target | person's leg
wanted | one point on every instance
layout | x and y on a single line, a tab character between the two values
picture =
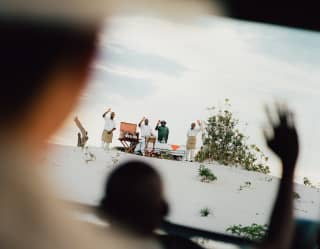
187	155
192	155
143	145
107	138
107	146
137	148
110	138
85	149
103	143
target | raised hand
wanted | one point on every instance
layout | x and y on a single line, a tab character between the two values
109	110
284	141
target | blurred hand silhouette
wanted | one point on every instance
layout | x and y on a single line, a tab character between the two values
284	141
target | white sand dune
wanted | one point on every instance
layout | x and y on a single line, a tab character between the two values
83	182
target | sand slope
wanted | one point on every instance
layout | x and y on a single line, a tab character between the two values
83	182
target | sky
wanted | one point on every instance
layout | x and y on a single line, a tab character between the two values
165	69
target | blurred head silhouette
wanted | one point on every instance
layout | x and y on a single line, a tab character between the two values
46	67
45	63
134	198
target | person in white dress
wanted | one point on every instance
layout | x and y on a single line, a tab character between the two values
192	134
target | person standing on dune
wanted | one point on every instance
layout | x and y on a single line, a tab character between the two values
145	133
109	128
192	140
163	131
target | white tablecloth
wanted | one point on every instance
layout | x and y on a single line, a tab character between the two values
166	148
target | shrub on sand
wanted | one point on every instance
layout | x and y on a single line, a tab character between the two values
206	174
254	232
204	212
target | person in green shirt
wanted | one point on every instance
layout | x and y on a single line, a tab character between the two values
163	131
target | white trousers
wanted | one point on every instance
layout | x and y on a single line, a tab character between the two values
143	145
190	155
105	146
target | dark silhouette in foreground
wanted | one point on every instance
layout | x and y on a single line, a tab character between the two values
134	202
45	64
284	142
134	197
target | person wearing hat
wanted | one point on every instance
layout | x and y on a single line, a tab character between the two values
163	131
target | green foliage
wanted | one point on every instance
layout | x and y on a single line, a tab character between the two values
246	185
268	179
296	196
307	182
224	143
206	174
204	212
166	156
201	241
254	232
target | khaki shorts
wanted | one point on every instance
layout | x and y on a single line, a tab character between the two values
191	142
106	137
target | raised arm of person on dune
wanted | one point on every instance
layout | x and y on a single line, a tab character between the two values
284	143
106	112
157	125
143	119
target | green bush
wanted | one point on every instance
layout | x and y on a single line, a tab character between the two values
166	156
246	185
296	196
224	143
307	182
254	232
204	212
206	174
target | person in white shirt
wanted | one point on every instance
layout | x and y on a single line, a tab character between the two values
145	132
192	140
109	128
